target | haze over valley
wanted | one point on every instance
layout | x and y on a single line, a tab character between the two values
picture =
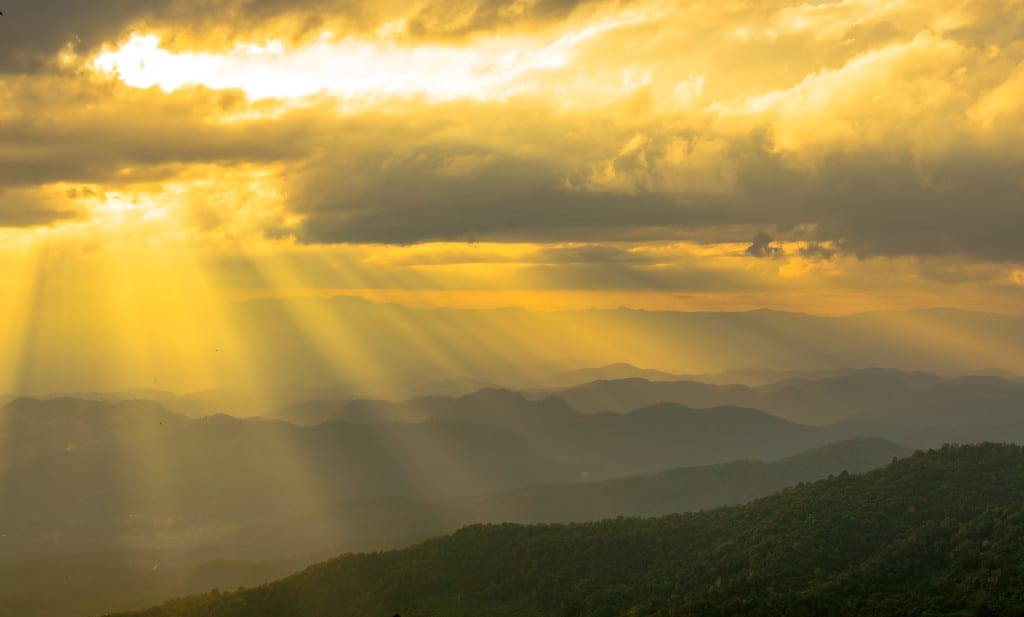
546	308
99	489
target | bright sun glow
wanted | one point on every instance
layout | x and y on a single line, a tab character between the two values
497	68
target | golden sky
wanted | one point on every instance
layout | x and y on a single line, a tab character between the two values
821	156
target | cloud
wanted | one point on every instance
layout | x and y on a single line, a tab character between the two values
34	33
762	247
817	252
462	17
63	129
519	172
466	172
872	129
591	254
509	199
28	208
888	203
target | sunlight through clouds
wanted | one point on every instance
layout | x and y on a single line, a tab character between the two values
358	68
285	278
826	156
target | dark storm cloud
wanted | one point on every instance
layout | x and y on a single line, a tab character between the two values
463	192
403	184
408	182
887	203
882	202
499	210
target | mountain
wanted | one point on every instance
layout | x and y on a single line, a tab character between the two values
491	406
622	395
815	401
32	428
992	371
888	395
938	533
618	370
178	481
494	406
393	519
677	490
648	439
193	480
966	400
117	580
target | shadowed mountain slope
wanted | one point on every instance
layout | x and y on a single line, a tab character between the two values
184	481
936	533
677	490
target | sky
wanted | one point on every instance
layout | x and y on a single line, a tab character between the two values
161	159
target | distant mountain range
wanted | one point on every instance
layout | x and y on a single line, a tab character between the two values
134	469
572	385
874	394
884	397
128	485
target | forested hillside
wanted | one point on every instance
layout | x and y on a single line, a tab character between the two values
938	533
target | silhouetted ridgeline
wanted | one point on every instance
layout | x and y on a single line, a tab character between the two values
938	533
883	395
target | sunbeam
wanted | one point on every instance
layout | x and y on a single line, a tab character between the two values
283	280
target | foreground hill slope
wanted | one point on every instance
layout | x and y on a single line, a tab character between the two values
938	533
51	579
